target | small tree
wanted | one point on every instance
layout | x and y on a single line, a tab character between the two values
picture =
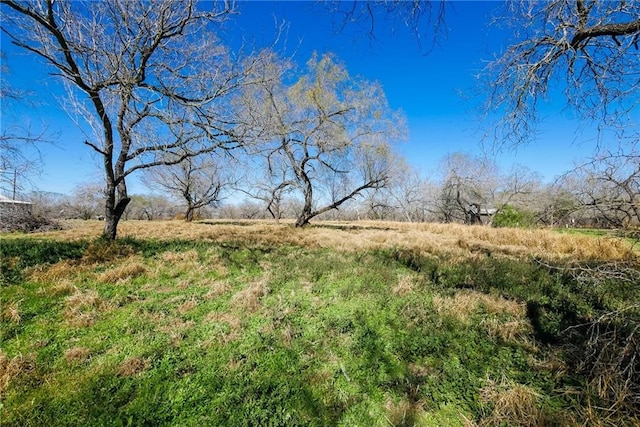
85	201
608	185
333	132
197	181
510	216
150	207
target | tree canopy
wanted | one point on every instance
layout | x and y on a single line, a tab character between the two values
586	49
147	77
328	135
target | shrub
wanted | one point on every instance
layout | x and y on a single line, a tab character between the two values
512	217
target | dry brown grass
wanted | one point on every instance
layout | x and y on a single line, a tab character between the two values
216	288
179	263
455	239
77	354
16	367
508	331
64	287
191	266
232	322
248	299
133	366
175	328
129	269
187	306
56	272
404	285
467	302
11	312
513	404
82	308
403	412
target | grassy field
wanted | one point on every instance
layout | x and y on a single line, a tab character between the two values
353	324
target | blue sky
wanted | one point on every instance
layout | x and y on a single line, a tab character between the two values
428	87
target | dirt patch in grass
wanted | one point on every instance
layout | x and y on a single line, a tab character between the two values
133	366
77	354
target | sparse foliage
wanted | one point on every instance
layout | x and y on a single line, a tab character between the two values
474	187
85	201
150	207
409	196
425	20
333	132
587	49
463	189
607	188
197	181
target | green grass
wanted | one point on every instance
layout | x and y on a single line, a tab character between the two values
235	335
594	232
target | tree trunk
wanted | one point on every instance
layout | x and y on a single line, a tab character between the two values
188	216
306	215
303	220
112	217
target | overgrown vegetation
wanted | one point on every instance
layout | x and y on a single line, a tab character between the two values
237	327
26	222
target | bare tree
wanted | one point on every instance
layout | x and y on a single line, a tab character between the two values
407	197
150	207
517	187
412	194
465	179
270	185
149	77
586	48
423	19
17	137
197	181
85	201
333	132
607	188
555	204
474	189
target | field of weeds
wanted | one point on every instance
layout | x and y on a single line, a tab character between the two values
367	323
